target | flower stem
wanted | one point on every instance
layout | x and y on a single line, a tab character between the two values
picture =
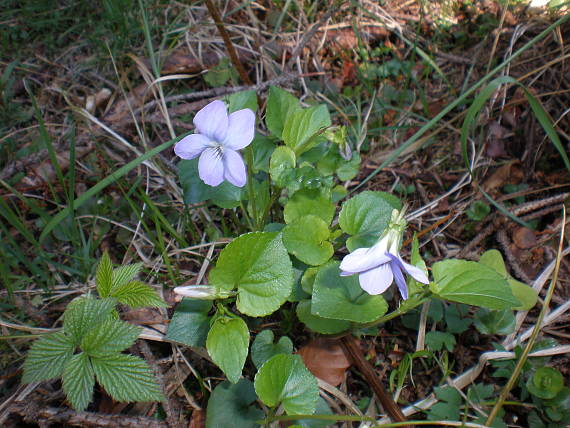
250	190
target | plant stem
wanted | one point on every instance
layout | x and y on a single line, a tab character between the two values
538	325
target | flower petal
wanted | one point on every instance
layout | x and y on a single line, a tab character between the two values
376	281
191	146
212	121
399	278
211	167
363	259
234	168
416	273
241	128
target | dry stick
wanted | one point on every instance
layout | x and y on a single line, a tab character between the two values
518	368
353	351
32	413
228	42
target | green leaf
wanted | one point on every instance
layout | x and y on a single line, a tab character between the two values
263	347
85	313
472	283
240	100
263	148
227	344
526	295
457	318
137	294
109	336
126	378
301	126
104	275
47	357
124	274
280	105
322	409
78	381
448	407
233	405
340	297
285	380
495	322
195	190
306	238
365	217
478	211
190	323
319	324
309	202
437	340
257	264
546	383
281	163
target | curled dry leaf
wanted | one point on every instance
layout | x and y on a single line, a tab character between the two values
325	359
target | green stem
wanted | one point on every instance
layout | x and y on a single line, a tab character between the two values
537	327
250	189
400	311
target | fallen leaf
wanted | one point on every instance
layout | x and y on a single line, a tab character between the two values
508	173
325	359
523	237
198	419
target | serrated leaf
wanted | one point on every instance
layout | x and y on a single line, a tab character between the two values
340	297
472	283
190	323
495	322
285	380
85	313
302	126
104	275
263	347
78	381
306	238
137	294
126	378
47	357
457	318
309	202
257	264
317	323
109	336
448	407
124	274
233	405
280	104
227	344
365	217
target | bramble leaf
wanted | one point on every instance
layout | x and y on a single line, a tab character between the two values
126	378
124	274
47	357
104	275
78	381
109	336
85	313
137	294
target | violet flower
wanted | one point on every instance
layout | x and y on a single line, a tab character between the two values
378	266
217	141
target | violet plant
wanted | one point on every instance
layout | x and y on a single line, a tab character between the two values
296	252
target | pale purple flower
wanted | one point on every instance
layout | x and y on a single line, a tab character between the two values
378	266
218	138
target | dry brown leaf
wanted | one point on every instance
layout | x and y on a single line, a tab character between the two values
198	419
325	359
508	173
524	238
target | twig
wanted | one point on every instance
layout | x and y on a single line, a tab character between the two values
353	352
32	413
228	42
